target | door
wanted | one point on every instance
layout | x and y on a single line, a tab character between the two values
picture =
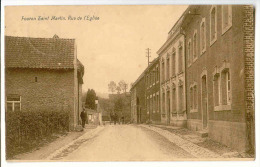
204	102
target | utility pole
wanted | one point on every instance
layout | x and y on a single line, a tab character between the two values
148	55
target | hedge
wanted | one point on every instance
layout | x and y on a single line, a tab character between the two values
25	130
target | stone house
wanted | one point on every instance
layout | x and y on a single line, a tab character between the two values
43	74
152	83
172	80
138	104
219	48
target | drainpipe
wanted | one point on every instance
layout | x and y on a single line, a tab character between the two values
185	67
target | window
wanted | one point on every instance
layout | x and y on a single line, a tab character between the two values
180	58
228	87
163	103
151	104
189	52
168	68
13	103
36	79
213	24
173	63
181	97
226	17
147	80
157	73
195	97
154	104
147	105
191	98
216	89
174	99
225	87
202	36
195	45
163	72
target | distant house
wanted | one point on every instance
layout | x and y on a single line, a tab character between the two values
43	74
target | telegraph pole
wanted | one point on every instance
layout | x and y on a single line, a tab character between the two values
148	55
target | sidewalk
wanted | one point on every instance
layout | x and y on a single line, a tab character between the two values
43	152
201	147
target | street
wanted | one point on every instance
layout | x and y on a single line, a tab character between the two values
123	143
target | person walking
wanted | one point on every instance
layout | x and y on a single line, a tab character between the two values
83	117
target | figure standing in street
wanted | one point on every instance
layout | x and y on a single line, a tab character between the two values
83	117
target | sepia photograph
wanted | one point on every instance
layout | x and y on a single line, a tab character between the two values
99	83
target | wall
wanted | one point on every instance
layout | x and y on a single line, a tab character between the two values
227	51
53	90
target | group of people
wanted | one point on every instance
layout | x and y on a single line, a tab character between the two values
116	119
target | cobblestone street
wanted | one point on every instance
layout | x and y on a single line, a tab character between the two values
136	143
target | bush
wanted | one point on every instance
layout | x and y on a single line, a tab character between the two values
25	130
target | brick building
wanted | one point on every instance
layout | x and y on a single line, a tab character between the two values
152	83
138	101
43	74
219	48
172	80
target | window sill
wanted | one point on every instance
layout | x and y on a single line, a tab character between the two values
224	30
193	110
202	52
222	108
213	41
194	60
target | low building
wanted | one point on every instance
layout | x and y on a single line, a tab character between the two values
43	74
138	105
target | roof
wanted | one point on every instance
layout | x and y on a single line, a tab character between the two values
143	73
50	53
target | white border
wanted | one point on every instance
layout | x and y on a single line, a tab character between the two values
4	3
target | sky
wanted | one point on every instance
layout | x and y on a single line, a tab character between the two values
112	47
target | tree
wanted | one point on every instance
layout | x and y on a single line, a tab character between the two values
90	99
123	85
112	86
118	89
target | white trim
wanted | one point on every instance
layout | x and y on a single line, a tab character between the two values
203	50
222	108
225	29
13	102
212	41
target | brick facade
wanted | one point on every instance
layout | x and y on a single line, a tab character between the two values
152	82
248	44
220	71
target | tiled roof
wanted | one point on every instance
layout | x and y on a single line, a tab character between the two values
50	53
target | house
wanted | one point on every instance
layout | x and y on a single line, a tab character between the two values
219	48
172	80
139	112
152	83
43	74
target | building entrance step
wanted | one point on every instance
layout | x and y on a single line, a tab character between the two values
202	133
